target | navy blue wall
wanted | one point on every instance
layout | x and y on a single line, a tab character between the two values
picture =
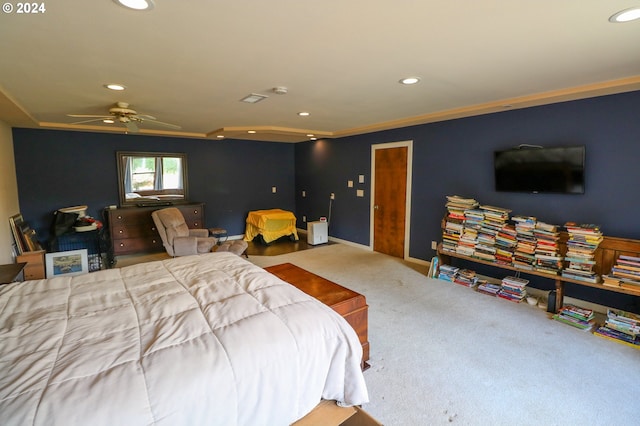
60	168
456	157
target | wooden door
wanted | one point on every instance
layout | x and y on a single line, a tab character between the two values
390	200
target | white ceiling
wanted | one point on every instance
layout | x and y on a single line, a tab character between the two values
190	62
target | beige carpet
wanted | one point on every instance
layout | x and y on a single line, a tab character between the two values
442	353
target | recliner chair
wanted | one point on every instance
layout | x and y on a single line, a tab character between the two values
179	240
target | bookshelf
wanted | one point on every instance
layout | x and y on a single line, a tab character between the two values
605	256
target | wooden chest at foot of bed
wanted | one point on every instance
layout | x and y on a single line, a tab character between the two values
350	305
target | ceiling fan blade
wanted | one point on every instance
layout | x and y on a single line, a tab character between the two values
161	123
131	126
146	117
88	116
90	121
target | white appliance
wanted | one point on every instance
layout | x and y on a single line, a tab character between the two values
317	233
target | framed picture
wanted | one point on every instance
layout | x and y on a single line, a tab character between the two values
17	222
73	262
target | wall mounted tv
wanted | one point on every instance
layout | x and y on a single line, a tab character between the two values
536	169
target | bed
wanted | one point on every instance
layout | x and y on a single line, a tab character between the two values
206	339
270	225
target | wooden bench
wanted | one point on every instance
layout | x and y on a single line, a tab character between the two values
350	305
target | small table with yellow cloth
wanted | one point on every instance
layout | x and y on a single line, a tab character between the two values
271	225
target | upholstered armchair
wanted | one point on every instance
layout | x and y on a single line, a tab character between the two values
176	236
179	240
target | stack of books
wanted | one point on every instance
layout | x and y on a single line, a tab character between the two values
468	240
622	327
447	272
488	288
506	243
581	318
523	255
547	251
495	218
580	257
624	274
466	277
513	289
454	222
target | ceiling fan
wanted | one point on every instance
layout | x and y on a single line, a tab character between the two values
121	112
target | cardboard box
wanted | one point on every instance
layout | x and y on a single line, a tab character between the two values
328	413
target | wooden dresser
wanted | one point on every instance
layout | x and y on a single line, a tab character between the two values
132	229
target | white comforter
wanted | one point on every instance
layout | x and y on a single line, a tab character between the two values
197	340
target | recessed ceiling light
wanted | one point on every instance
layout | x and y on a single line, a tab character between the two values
313	139
253	98
304	114
310	135
136	4
108	121
115	86
220	136
409	80
251	131
625	15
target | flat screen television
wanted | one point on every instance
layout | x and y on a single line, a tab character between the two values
540	169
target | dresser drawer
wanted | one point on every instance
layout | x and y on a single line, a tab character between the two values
136	245
193	216
120	231
126	217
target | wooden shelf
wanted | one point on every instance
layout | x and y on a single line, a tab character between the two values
606	255
537	273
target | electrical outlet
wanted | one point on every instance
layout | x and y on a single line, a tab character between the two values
434	245
333	196
304	194
349	184
273	189
304	218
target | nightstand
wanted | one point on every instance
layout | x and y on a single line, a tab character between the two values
12	272
35	264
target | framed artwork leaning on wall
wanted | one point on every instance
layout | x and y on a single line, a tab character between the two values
73	262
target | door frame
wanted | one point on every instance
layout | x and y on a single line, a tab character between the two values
407	219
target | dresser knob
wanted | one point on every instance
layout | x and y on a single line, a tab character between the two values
154	241
119	217
121	244
120	231
195	224
195	212
153	228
